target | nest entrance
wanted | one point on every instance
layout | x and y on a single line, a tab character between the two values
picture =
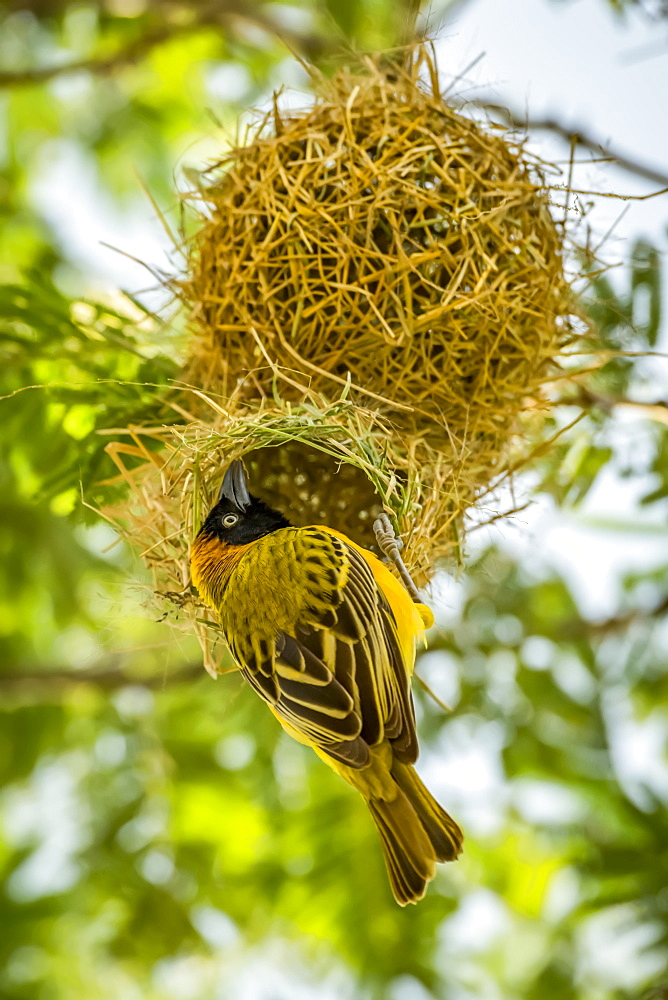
311	487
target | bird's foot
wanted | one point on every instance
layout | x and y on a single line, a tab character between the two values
390	546
387	541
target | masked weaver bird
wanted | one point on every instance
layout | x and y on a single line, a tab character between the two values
326	635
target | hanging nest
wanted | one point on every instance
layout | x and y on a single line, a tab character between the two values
377	296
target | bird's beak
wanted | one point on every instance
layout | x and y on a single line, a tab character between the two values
234	486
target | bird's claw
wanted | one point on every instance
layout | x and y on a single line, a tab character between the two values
388	543
390	546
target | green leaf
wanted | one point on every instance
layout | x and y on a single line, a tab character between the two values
346	14
646	278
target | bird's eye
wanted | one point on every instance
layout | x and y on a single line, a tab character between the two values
230	519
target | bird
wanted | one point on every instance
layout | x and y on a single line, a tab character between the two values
325	634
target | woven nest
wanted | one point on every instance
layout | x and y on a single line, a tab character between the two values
377	295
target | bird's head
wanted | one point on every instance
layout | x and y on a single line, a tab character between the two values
239	518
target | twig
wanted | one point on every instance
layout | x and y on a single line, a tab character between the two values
422	682
504	515
576	137
657	410
43	683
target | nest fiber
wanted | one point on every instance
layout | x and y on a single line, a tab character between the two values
377	283
382	237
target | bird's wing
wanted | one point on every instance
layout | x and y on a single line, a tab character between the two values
334	672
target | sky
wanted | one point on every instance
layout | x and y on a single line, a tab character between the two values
576	62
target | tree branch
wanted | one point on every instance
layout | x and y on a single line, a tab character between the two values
218	14
657	410
575	137
102	64
618	623
44	683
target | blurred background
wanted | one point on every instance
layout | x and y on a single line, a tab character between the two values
159	837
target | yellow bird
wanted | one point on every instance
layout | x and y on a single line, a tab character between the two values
326	635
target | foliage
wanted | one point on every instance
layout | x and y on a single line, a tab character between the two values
160	838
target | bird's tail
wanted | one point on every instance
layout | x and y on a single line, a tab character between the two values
415	833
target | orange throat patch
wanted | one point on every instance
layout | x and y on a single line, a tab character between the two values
211	563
